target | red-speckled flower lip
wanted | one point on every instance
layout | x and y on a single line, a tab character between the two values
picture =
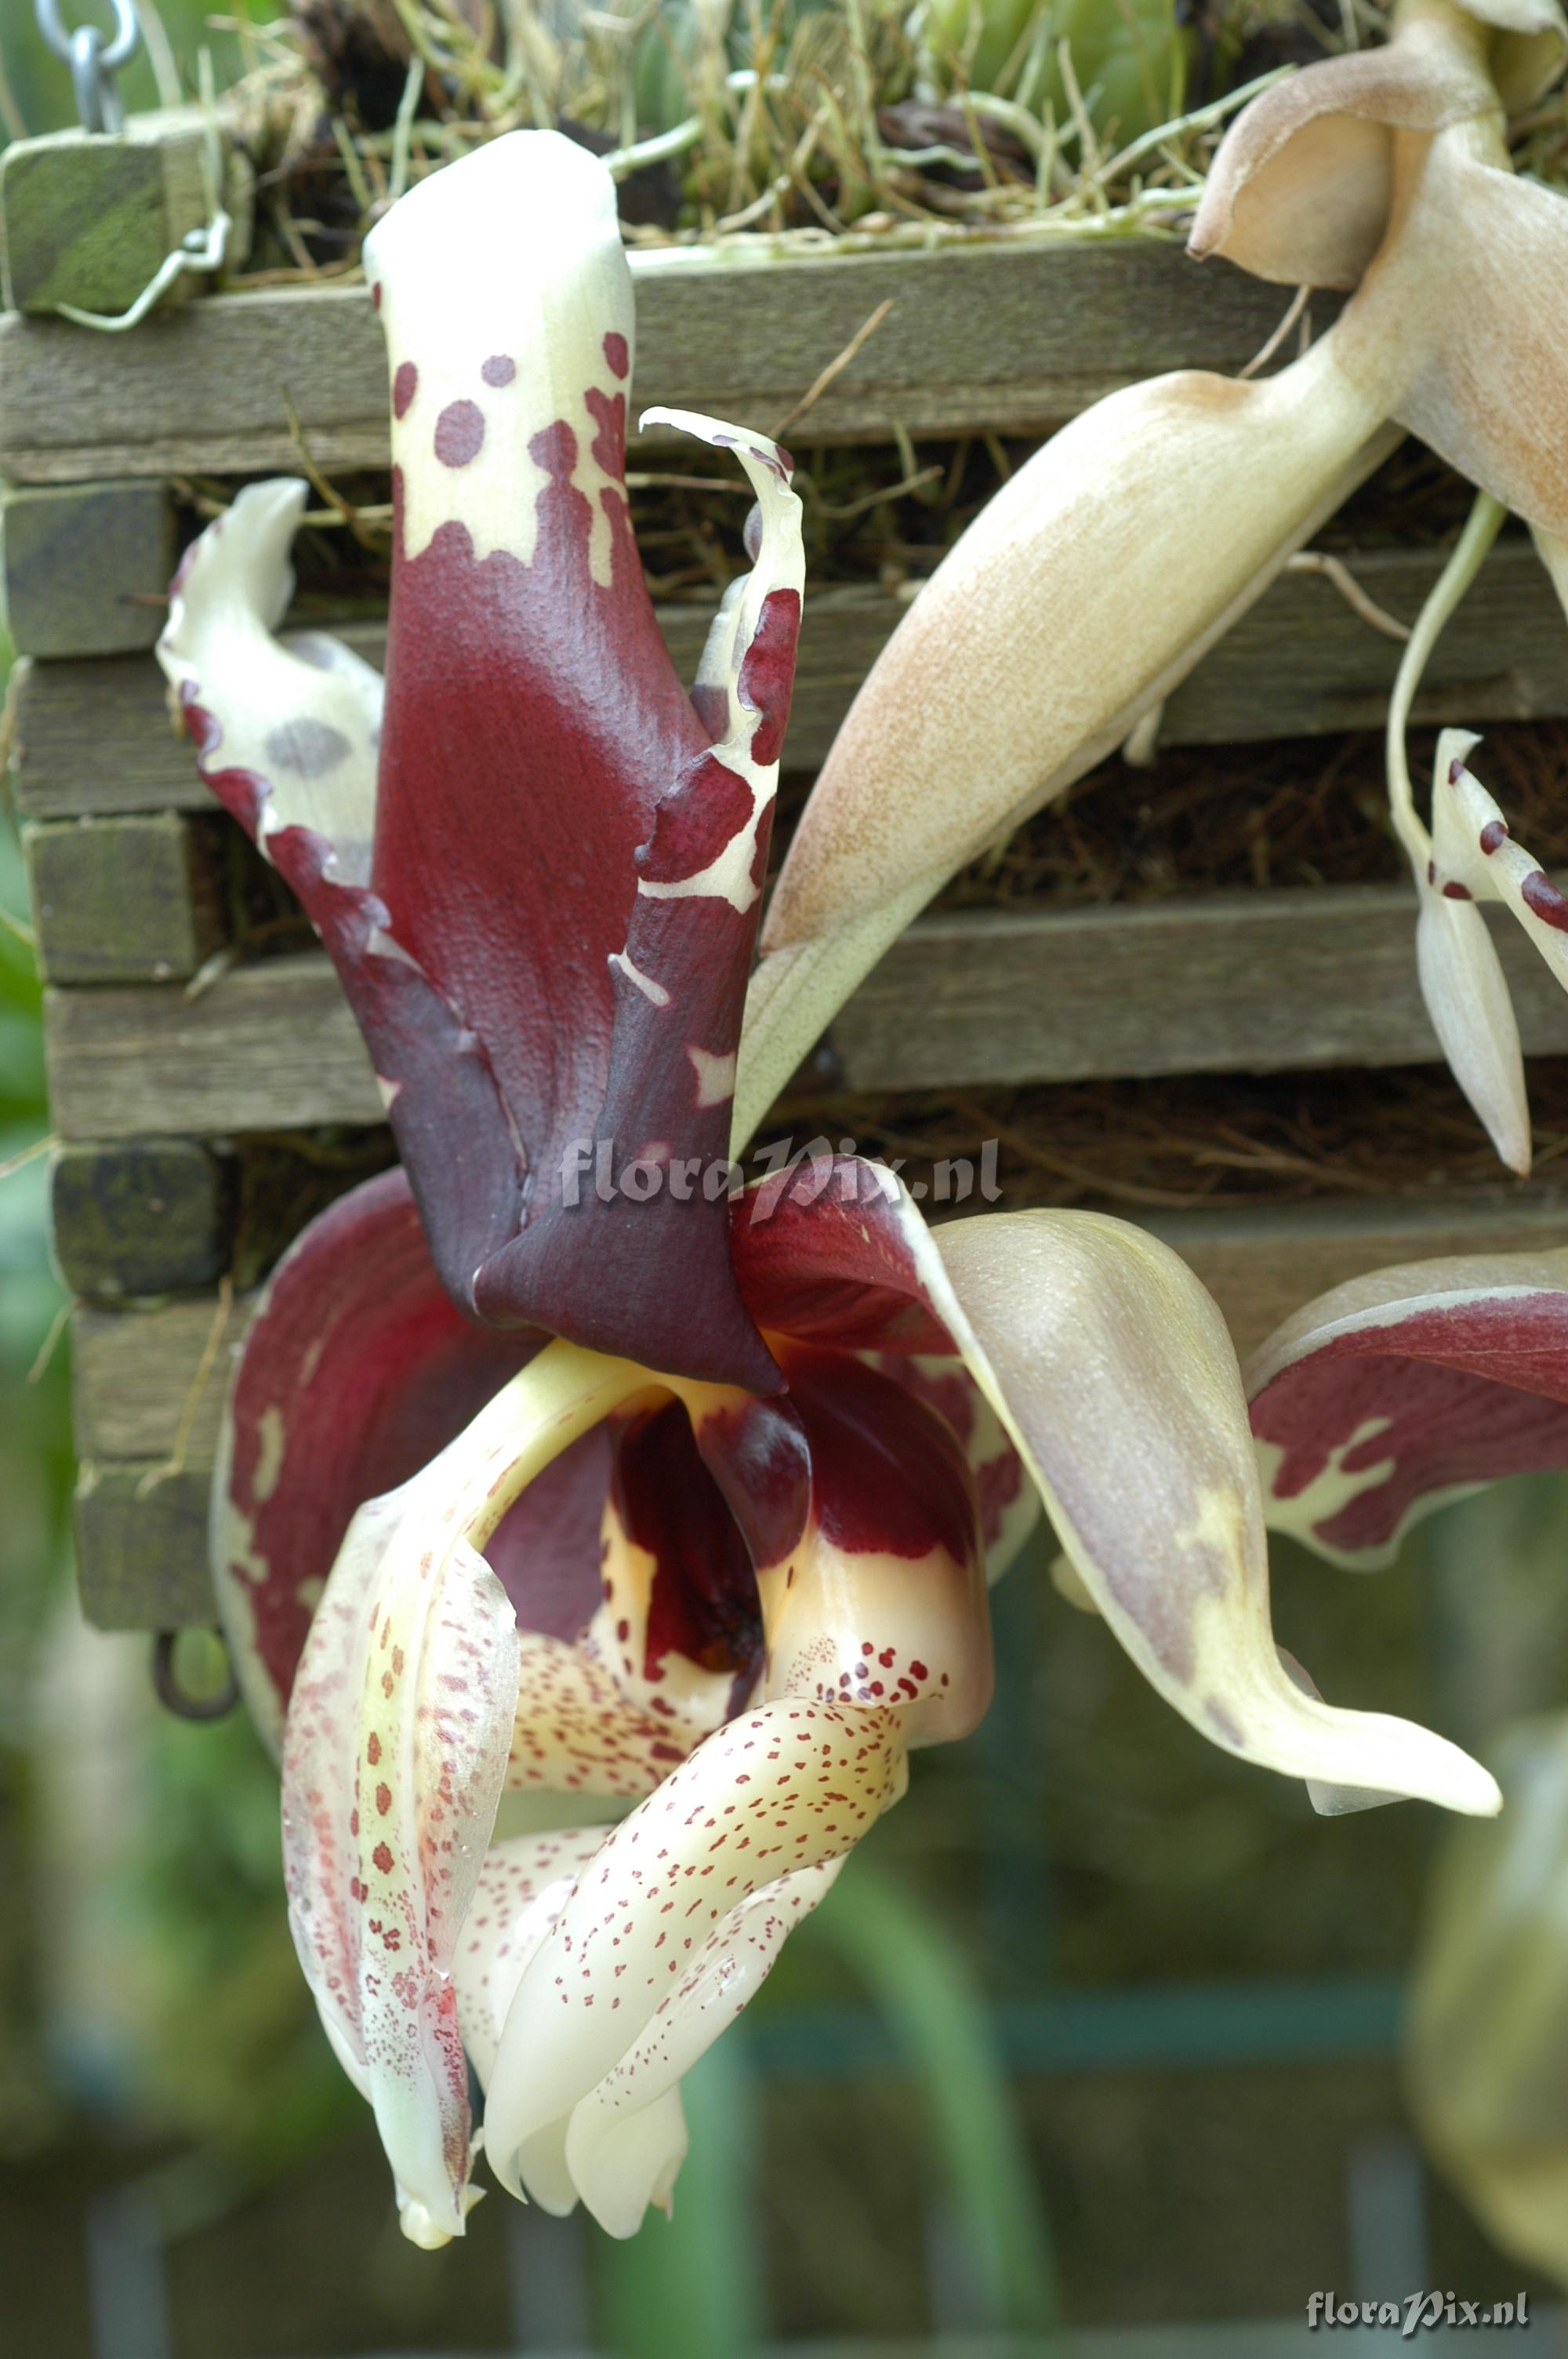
536	861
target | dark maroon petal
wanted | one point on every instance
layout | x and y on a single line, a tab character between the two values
825	1252
1395	1391
543	773
545	1548
355	1371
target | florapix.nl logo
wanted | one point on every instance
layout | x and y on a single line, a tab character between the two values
597	1169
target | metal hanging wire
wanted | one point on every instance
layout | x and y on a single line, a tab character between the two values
94	61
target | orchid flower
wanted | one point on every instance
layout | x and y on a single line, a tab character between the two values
537	862
739	1611
717	1551
1108	565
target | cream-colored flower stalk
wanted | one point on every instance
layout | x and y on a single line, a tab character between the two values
1106	568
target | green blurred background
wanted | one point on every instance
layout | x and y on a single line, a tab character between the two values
1103	2030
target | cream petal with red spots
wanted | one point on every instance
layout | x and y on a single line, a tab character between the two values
395	1752
578	1732
523	1886
394	1755
626	2139
787	1787
490	351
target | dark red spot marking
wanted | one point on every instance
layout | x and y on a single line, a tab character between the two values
616	353
404	386
704	811
459	433
375	295
767	674
1542	899
1454	891
609	414
381	1856
384	1799
1492	835
373	1749
554	448
499	369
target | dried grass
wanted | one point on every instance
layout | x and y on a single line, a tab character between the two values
1195	1142
850	125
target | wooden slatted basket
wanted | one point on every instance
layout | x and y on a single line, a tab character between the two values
197	1132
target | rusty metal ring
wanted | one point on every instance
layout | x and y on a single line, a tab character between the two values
176	1699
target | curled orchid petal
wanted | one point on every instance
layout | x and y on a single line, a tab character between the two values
356	1372
1014	671
393	1766
1303	186
1112	1371
396	1750
623	1989
523	1886
1472	1012
1115	1371
1401	1390
625	2139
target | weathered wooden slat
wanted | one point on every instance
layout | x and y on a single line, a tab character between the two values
1012	336
86	567
136	899
98	737
1223	983
135	1373
152	1216
95	736
89	219
141	1552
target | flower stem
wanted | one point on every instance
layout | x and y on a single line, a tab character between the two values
1481	529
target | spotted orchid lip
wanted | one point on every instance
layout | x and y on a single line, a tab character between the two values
535	857
738	1613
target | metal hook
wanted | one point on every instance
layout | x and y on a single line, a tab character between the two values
93	61
179	1699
